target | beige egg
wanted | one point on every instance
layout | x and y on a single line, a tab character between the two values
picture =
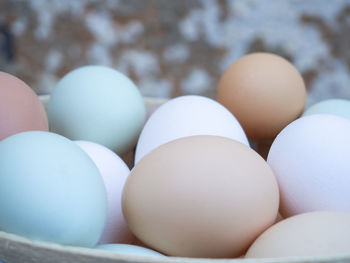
264	92
319	233
200	196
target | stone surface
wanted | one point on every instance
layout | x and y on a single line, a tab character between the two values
171	48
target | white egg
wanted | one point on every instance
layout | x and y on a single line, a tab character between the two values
310	158
187	116
114	174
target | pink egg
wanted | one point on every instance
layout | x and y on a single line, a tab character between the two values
114	173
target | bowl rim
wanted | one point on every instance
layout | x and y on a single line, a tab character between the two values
18	242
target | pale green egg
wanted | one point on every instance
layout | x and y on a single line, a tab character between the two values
340	107
50	190
97	104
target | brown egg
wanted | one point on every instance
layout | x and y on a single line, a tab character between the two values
200	196
20	108
311	234
265	92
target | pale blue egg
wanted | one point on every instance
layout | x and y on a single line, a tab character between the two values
132	250
340	107
97	104
50	190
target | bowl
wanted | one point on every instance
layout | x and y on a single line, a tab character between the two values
17	249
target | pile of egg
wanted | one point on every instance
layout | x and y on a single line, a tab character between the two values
197	188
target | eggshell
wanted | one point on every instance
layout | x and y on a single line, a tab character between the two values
339	107
20	108
187	116
50	190
200	196
97	104
264	91
310	158
313	234
138	242
114	173
131	250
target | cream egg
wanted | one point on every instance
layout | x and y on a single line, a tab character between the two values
313	234
200	196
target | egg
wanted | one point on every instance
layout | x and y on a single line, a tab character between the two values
20	108
131	250
310	159
97	104
339	107
315	234
187	116
50	190
114	173
264	91
138	242
200	196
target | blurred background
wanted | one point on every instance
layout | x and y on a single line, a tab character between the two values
172	48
